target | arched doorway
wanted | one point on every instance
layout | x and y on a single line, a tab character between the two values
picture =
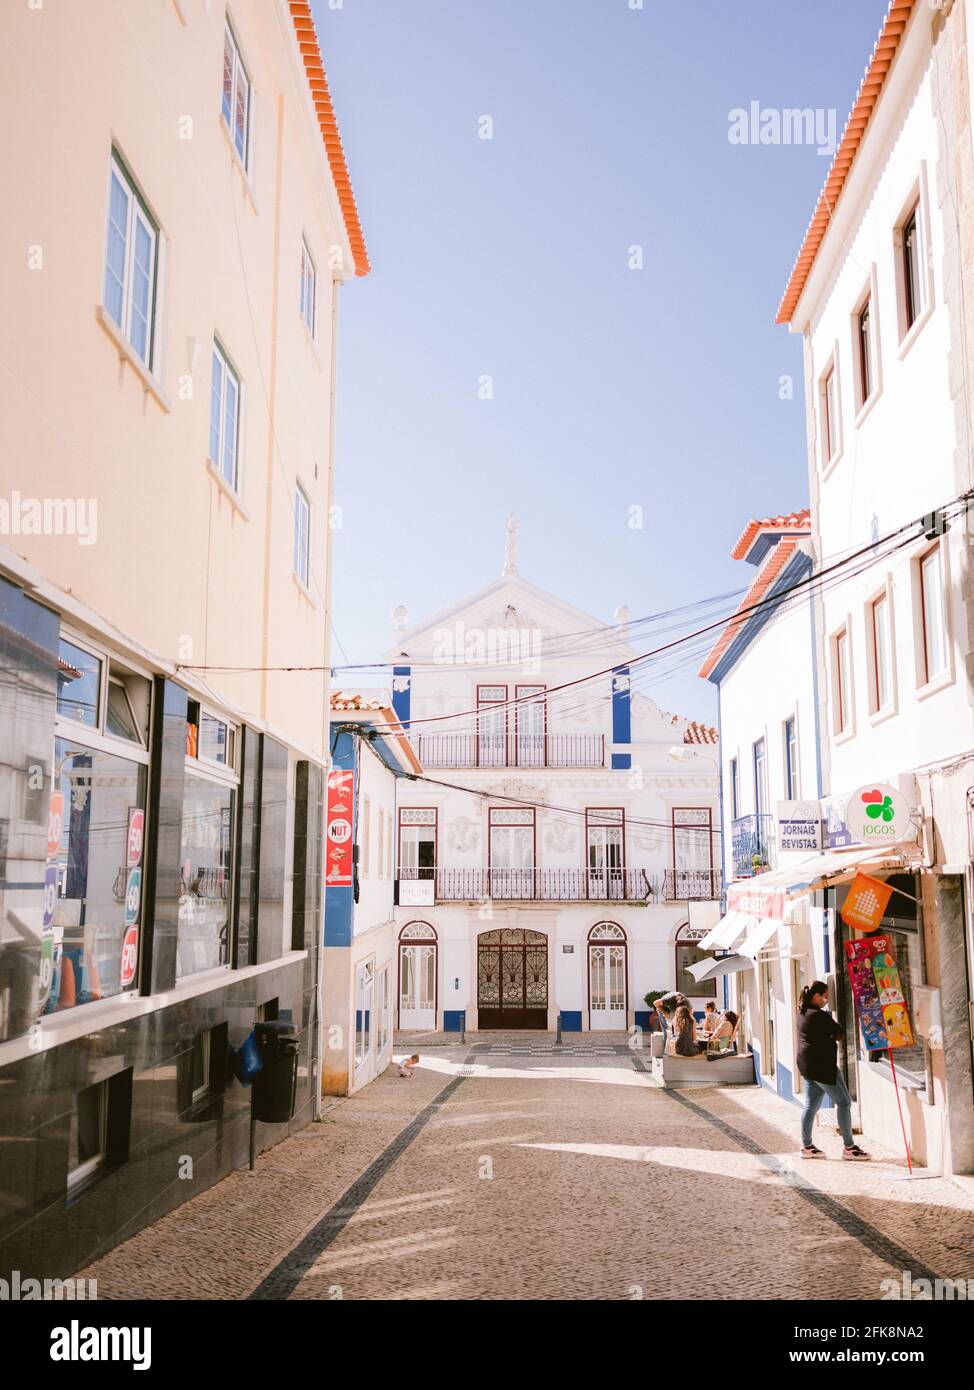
417	976
512	979
608	989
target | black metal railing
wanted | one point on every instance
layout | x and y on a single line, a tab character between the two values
752	844
542	885
691	885
511	750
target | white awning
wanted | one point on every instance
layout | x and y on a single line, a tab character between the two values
765	896
712	968
758	937
764	932
728	930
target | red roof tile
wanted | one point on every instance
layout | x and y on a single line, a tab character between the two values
798	522
894	25
304	29
699	733
767	574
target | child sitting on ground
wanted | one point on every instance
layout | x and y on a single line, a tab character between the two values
406	1067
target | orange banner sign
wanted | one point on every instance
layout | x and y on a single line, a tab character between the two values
865	903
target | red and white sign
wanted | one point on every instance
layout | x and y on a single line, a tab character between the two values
55	823
755	903
130	955
136	836
340	830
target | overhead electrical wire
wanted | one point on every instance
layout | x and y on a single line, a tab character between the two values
817	580
485	795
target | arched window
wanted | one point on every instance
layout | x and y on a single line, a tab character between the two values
688	953
417	931
607	931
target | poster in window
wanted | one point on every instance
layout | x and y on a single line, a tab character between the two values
878	993
135	838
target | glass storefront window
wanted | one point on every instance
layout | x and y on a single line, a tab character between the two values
215	740
79	683
363	1011
91	876
902	926
206	862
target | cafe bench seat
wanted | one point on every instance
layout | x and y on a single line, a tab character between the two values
732	1069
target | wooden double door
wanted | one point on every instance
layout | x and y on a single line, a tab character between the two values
512	979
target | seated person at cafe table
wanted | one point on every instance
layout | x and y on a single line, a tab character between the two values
720	1039
684	1040
711	1018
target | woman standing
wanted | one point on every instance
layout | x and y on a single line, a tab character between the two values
818	1037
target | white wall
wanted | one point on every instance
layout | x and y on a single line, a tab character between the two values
896	460
772	681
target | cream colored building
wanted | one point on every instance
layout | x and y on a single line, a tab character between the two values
180	223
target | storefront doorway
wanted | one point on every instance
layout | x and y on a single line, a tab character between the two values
607	984
512	979
417	976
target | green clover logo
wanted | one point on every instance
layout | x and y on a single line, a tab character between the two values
883	808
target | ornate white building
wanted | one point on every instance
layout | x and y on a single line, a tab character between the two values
561	853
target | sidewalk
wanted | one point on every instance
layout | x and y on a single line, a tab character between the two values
499	1176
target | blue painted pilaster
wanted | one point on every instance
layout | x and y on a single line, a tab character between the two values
621	715
401	676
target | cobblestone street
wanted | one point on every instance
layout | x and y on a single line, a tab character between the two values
502	1174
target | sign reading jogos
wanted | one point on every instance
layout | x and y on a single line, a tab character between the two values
878	814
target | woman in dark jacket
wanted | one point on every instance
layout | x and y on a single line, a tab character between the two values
818	1037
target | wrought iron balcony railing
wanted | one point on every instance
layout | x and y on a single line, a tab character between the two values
691	885
511	750
752	844
540	885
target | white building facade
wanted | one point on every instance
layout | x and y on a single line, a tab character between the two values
560	859
763	666
370	754
878	294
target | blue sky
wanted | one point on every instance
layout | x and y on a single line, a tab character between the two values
508	257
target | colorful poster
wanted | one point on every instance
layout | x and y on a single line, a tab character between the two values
134	838
340	835
878	993
133	893
130	956
865	903
55	823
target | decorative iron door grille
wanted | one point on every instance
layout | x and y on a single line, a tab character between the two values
512	979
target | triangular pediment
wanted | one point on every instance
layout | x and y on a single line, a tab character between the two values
514	604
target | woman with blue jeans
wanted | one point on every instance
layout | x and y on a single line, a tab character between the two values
817	1061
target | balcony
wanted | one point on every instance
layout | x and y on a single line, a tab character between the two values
511	750
557	885
752	844
691	885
